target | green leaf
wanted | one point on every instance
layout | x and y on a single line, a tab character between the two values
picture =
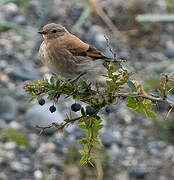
51	96
82	126
132	86
58	83
83	112
88	123
52	80
31	99
84	159
83	141
151	114
97	144
132	103
82	152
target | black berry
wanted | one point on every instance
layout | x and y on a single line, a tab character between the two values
52	108
90	111
41	101
75	107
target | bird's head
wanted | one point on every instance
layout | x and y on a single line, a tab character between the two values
53	31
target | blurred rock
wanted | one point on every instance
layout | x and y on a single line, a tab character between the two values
19	19
38	174
3	124
10	145
95	36
16	166
51	160
169	53
108	139
138	173
7	105
41	116
8	117
3	176
15	125
19	75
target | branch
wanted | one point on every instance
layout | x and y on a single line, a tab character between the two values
58	126
125	95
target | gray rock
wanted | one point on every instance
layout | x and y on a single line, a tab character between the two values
19	75
108	139
16	166
19	19
3	124
41	116
51	160
7	105
8	117
138	173
10	145
169	53
95	36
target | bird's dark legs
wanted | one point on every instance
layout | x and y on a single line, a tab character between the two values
77	78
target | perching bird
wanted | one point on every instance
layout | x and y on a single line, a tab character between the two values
68	56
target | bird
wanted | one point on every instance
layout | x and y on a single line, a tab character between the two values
66	55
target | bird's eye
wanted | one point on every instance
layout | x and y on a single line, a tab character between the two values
54	31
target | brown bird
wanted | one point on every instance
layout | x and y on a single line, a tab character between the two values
68	56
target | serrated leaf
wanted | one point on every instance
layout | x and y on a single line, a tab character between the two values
132	86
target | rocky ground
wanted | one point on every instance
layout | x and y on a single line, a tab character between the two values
132	144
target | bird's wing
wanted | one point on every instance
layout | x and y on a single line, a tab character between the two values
79	48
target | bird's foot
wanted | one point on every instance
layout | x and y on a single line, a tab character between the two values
77	78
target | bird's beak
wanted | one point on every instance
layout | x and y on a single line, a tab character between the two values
41	32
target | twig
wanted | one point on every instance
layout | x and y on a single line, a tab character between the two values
105	18
169	111
116	60
70	121
58	126
125	95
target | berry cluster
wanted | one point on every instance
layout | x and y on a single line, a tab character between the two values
52	108
77	107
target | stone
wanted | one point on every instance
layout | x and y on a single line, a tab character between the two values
8	117
10	145
51	160
24	76
41	116
38	174
169	53
108	139
138	173
3	124
7	105
15	125
16	166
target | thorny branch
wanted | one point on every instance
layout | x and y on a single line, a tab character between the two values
118	95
